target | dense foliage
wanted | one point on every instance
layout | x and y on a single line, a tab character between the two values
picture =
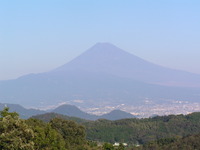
14	132
157	133
191	142
33	134
48	116
142	131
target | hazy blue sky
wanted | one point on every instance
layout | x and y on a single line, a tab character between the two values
39	35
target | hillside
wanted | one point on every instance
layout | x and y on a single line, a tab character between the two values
70	110
116	115
135	130
142	131
23	112
190	142
49	116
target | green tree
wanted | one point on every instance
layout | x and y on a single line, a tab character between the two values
45	136
108	146
72	133
15	134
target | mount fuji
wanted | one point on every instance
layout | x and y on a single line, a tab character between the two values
102	74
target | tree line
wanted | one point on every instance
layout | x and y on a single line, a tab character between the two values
157	133
35	134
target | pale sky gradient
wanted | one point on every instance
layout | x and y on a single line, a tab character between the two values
40	35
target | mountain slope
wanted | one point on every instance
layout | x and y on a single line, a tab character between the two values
166	130
73	111
91	88
102	74
116	115
107	58
23	112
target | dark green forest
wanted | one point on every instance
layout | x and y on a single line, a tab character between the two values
137	131
191	142
58	132
141	131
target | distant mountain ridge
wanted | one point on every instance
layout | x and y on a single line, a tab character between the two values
65	111
23	112
104	73
73	111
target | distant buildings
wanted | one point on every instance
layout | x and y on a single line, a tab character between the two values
116	144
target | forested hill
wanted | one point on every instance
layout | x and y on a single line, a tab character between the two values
141	131
49	116
158	133
191	142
